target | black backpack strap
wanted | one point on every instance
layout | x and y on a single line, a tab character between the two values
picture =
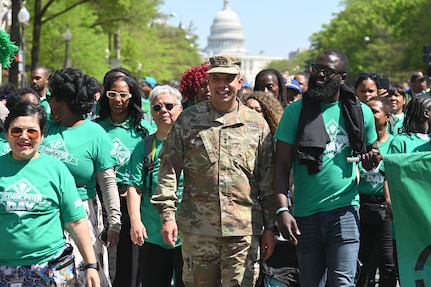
148	161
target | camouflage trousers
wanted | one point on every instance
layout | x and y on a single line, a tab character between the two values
220	261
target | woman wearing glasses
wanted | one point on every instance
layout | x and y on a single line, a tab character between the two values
38	200
88	152
122	118
157	260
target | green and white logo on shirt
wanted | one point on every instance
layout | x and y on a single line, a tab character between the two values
121	150
22	196
339	139
58	149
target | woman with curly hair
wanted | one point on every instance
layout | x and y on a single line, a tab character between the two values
271	81
266	105
88	152
271	110
194	85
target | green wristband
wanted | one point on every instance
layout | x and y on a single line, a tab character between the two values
281	209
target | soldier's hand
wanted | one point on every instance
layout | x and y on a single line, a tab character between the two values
170	232
288	227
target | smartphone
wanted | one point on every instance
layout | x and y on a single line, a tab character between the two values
103	237
384	83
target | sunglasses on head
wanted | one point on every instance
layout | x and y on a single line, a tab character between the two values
366	76
32	134
327	72
113	95
158	107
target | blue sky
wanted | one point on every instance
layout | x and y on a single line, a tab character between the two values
276	27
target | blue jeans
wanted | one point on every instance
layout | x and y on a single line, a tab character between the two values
328	247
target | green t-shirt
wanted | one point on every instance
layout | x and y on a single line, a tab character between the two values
85	149
334	186
146	108
395	124
4	145
124	138
44	103
371	182
37	197
407	143
138	176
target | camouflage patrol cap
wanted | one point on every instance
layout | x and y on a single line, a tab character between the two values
226	64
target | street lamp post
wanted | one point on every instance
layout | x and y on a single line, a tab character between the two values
23	18
107	56
67	36
139	70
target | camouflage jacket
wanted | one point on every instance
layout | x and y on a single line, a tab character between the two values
228	172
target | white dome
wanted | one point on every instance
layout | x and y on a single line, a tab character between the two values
226	33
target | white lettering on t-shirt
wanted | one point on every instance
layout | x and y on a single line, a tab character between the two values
58	149
21	196
374	177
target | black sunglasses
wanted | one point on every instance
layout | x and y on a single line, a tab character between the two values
158	107
327	72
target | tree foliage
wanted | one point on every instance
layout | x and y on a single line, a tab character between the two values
385	37
145	38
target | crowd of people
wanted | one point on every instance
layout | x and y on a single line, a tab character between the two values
131	183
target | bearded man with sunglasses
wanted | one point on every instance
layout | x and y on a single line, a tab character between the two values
225	151
315	137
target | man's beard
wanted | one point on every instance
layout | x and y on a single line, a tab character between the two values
37	88
327	91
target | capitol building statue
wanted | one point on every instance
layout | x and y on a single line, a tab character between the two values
226	37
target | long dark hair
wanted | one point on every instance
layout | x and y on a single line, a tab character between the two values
282	92
134	109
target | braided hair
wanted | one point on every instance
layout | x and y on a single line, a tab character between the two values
77	89
415	114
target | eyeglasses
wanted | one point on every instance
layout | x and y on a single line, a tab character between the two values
113	95
32	134
327	72
366	76
158	107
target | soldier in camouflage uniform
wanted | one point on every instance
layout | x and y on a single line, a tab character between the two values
226	153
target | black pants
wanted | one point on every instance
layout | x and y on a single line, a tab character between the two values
125	265
376	244
158	265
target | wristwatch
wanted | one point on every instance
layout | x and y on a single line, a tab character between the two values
91	265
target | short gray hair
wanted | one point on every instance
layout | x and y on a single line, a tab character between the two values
165	89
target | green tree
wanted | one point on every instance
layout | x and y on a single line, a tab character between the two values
377	36
144	37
